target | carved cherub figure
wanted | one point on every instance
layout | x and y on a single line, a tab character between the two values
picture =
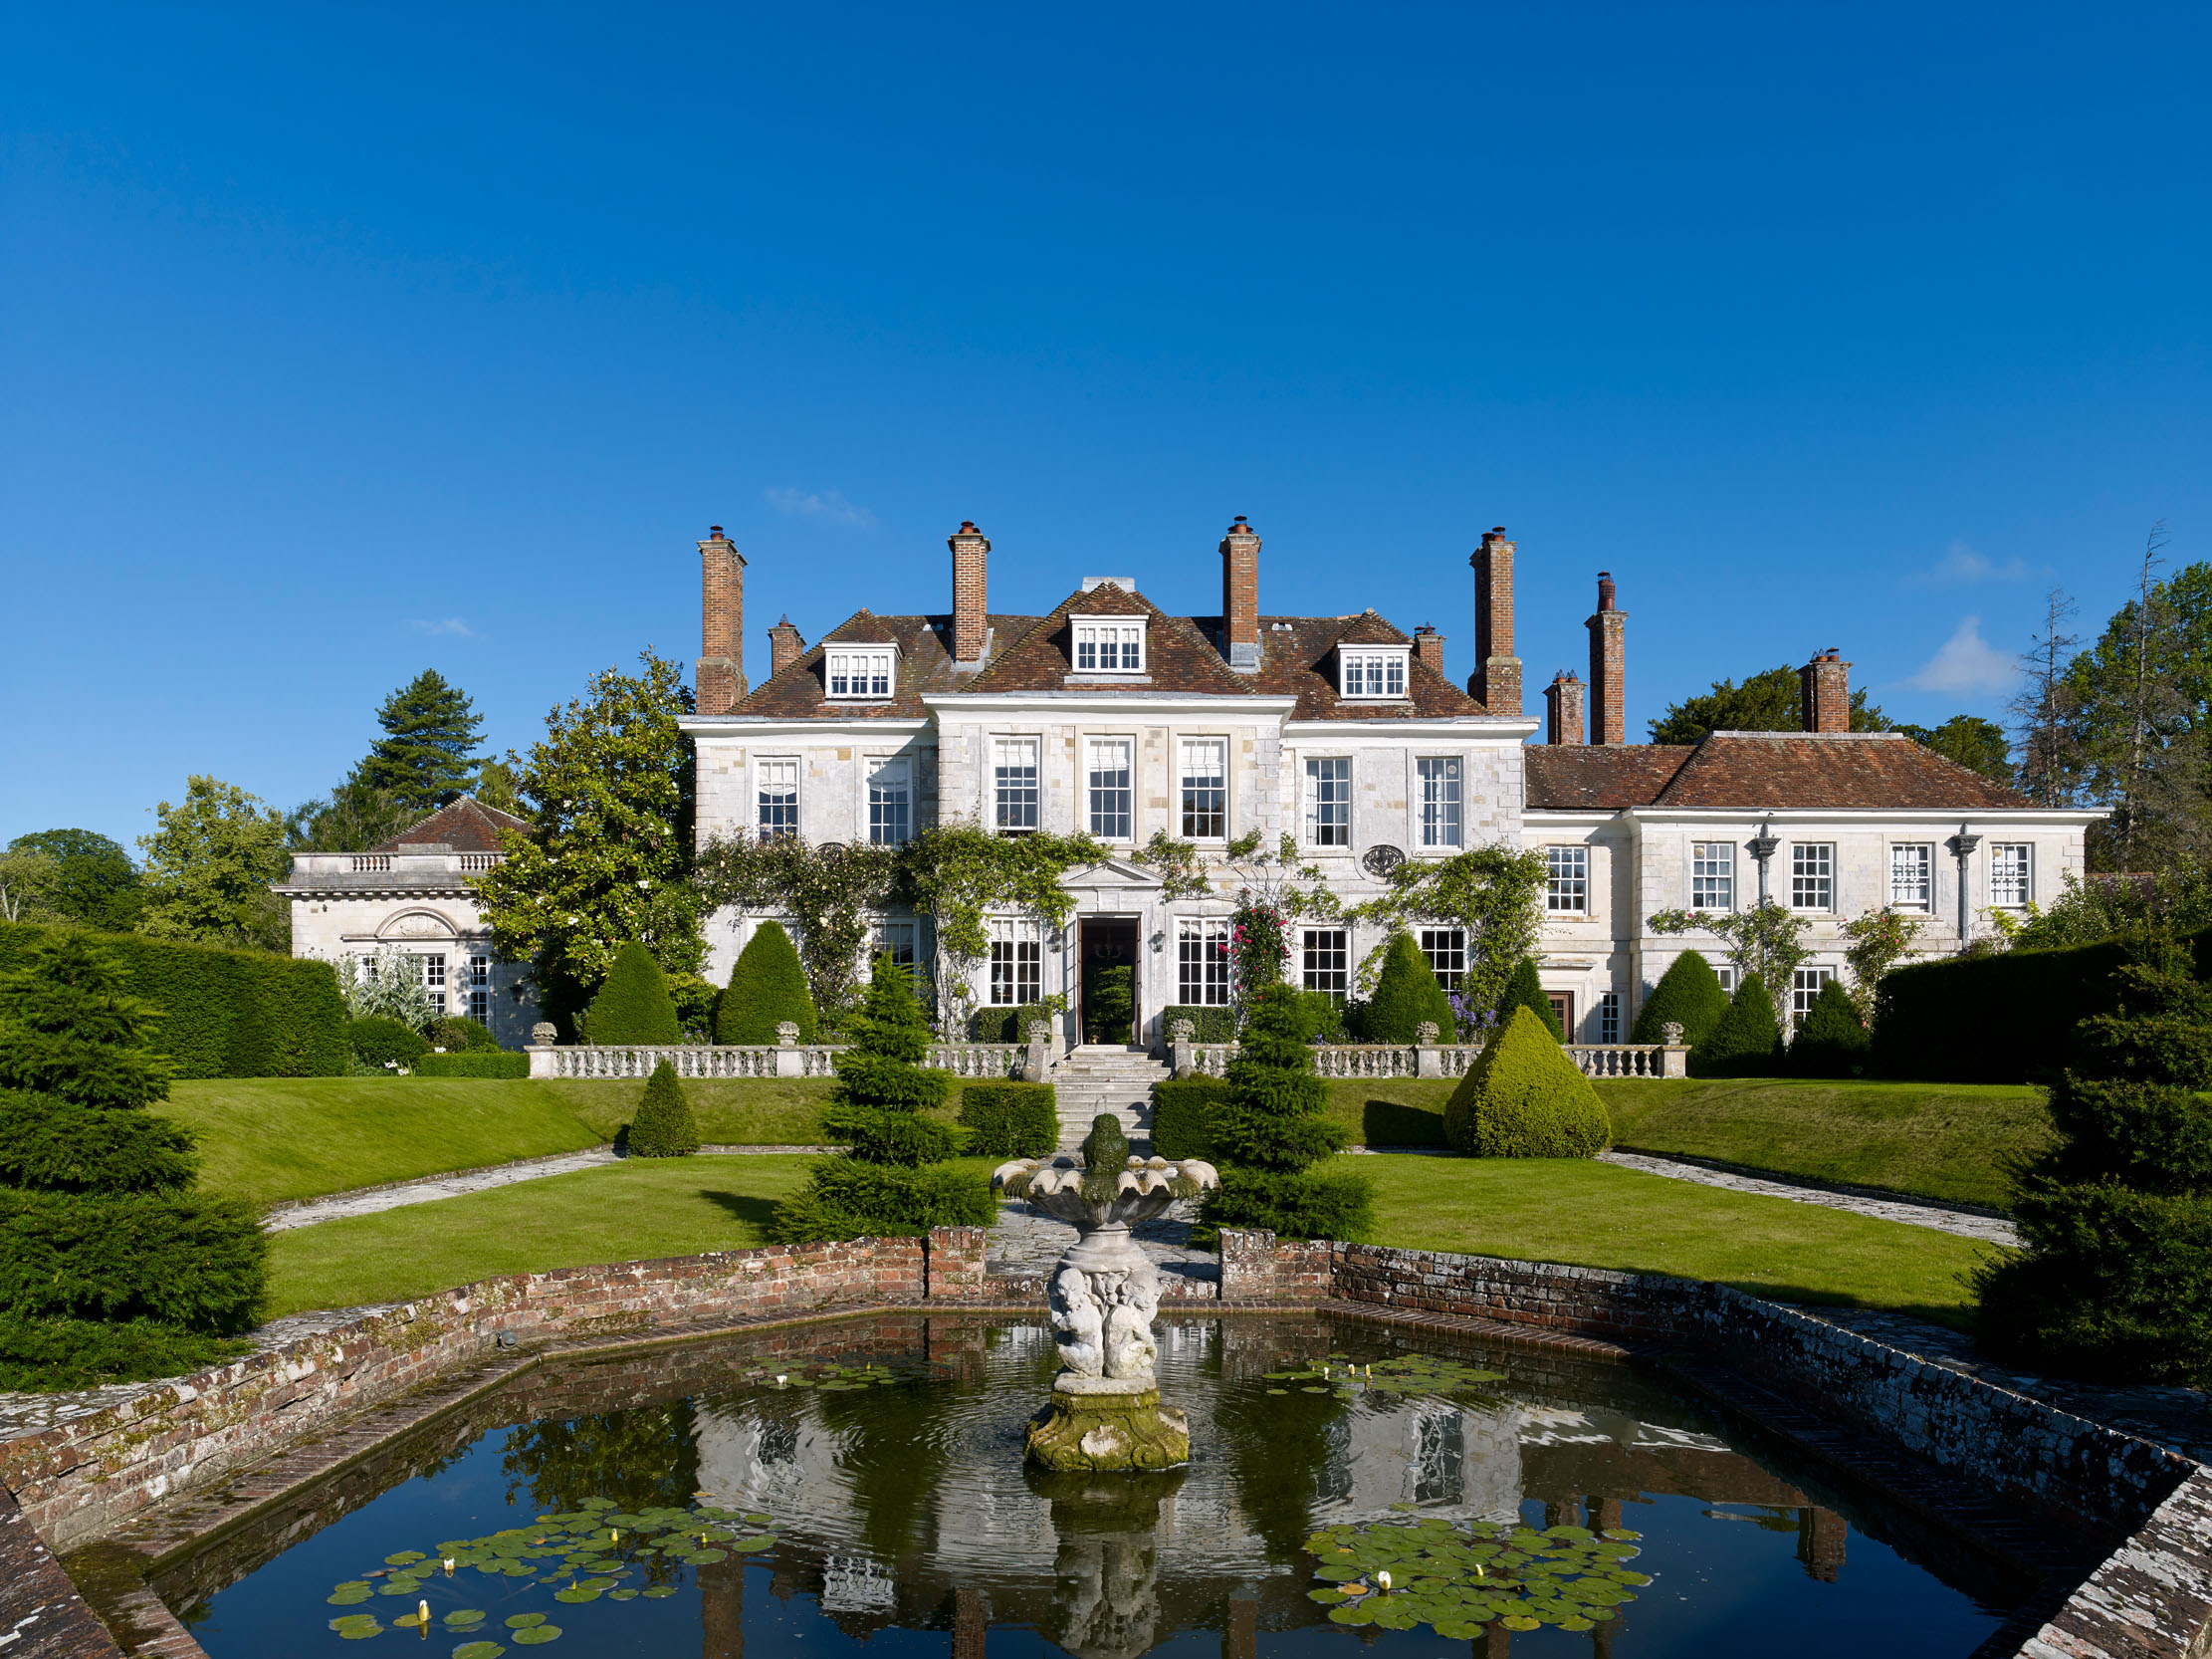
1078	1324
1130	1350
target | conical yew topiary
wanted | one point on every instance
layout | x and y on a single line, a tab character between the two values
663	1127
113	1268
1689	995
767	987
1830	1040
1406	995
1524	1098
633	1003
1272	1127
1747	1040
1525	990
2114	1280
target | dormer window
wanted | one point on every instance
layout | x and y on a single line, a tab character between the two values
859	671
1109	646
1370	672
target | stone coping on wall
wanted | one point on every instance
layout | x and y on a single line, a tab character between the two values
338	1390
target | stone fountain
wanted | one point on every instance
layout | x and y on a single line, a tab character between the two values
1106	1411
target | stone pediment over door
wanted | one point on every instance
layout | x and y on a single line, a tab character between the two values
1114	884
416	924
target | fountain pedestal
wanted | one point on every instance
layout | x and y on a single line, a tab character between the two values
1108	1423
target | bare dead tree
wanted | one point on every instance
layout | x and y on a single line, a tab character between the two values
2044	703
2150	622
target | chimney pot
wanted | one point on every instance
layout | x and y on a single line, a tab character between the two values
1823	692
971	555
718	680
1429	649
1607	666
1241	597
1496	680
786	646
1563	709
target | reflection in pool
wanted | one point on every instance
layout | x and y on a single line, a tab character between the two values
799	1493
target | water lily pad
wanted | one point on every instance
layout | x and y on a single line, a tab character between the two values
621	1596
1520	1621
360	1632
759	1540
478	1650
537	1635
1351	1612
655	1593
465	1616
576	1595
403	1558
348	1598
708	1558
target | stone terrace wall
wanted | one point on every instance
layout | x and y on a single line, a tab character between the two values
2033	1451
76	1481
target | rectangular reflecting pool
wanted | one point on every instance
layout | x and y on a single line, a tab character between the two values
810	1492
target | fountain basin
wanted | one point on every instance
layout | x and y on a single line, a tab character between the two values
1108	1423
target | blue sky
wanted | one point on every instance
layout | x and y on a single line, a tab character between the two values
340	342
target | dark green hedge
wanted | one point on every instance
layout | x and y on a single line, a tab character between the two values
1008	1025
383	1041
474	1062
1212	1024
1009	1120
224	1012
1183	1116
2002	1018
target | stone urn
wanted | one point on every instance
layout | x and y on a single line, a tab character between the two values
1106	1411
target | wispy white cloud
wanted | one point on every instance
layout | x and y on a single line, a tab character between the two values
1962	567
453	625
1967	662
824	504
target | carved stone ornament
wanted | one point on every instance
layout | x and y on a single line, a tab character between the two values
544	1035
1040	1031
1671	1034
1426	1034
787	1032
1379	861
1183	1030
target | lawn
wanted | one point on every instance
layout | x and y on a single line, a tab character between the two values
1934	1140
1578	1212
267	1139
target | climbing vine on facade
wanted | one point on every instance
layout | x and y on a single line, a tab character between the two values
1493	895
1766	939
959	874
829	892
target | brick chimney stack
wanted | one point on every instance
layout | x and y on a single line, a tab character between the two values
1241	597
786	646
1428	648
1608	720
969	551
1496	680
1563	709
719	679
1823	691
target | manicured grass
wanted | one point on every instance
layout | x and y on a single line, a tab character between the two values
1392	1111
1935	1140
1595	1215
1561	1211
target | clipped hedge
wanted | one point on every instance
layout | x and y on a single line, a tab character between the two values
664	1126
1209	1024
224	1012
2002	1018
1183	1116
1009	1120
1008	1025
380	1041
473	1063
768	987
633	1003
1407	996
1524	1098
1689	994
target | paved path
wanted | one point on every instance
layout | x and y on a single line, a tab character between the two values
1967	1224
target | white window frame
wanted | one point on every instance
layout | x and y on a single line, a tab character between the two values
1805	990
1609	1017
480	989
1202	961
1012	798
431	969
775	796
1725	972
1372	673
1913	877
1813	878
1016	961
860	673
2011	875
1108	645
1321	831
901	936
1713	875
1196	787
1446	949
1112	804
1325	961
1567	881
890	802
1442	798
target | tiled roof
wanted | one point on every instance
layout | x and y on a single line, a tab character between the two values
1588	777
467	825
1755	770
1182	655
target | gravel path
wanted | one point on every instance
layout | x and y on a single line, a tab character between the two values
1967	1223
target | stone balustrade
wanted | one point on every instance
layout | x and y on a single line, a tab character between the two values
1628	1059
733	1060
1440	1059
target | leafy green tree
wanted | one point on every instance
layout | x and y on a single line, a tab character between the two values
208	869
610	790
2114	1278
1747	1040
110	1265
1525	990
766	988
663	1127
499	788
30	886
891	1180
1976	744
1765	942
351	819
96	884
1270	1130
1406	995
633	1003
1689	995
1768	701
424	758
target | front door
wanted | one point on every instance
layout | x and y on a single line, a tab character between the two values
1109	979
1563	1010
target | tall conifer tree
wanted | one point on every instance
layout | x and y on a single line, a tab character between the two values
425	757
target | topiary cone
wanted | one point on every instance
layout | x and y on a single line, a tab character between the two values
1747	1040
1525	990
1689	994
633	1003
1524	1098
767	987
1406	995
664	1126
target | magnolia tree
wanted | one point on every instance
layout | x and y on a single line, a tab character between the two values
1766	939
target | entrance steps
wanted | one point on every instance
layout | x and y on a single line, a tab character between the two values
1105	1077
